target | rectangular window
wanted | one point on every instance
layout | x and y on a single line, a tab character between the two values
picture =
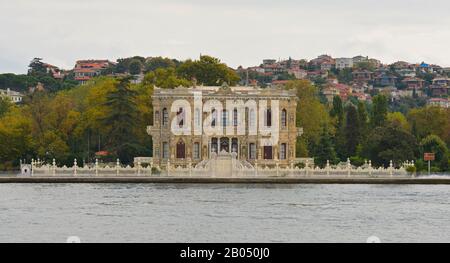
196	151
165	153
252	151
283	150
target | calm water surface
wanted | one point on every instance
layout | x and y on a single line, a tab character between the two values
223	213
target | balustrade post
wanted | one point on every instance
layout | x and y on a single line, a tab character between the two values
278	169
391	168
370	168
151	167
168	167
349	167
306	167
54	167
96	167
75	166
190	167
328	167
32	167
139	168
256	167
117	167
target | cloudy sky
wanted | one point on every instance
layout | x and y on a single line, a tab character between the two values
240	32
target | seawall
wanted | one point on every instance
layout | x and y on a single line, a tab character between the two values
212	180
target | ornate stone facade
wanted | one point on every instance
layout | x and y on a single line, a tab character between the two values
245	111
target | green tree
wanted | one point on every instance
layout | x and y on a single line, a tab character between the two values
5	104
312	116
352	131
434	144
121	116
155	63
325	150
379	111
431	120
390	143
37	68
165	79
135	67
337	111
363	120
208	71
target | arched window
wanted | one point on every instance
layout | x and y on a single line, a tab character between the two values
283	118
165	117
181	150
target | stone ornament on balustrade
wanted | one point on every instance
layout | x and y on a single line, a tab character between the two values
219	167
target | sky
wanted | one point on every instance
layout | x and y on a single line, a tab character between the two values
239	32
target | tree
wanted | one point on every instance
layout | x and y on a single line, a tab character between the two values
398	119
121	117
4	106
352	131
208	71
434	144
337	111
379	111
16	140
363	120
165	79
325	150
135	67
431	120
37	68
312	116
155	63
390	143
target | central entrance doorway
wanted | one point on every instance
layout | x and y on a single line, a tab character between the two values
224	144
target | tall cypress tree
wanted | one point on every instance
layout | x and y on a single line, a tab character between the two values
122	117
379	112
352	131
338	110
325	150
363	119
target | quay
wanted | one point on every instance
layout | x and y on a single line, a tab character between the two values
224	180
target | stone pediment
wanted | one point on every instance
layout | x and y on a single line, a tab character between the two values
224	89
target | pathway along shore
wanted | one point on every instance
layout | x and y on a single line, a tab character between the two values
212	180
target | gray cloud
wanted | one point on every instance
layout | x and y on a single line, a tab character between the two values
239	32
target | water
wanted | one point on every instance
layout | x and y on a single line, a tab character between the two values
223	213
